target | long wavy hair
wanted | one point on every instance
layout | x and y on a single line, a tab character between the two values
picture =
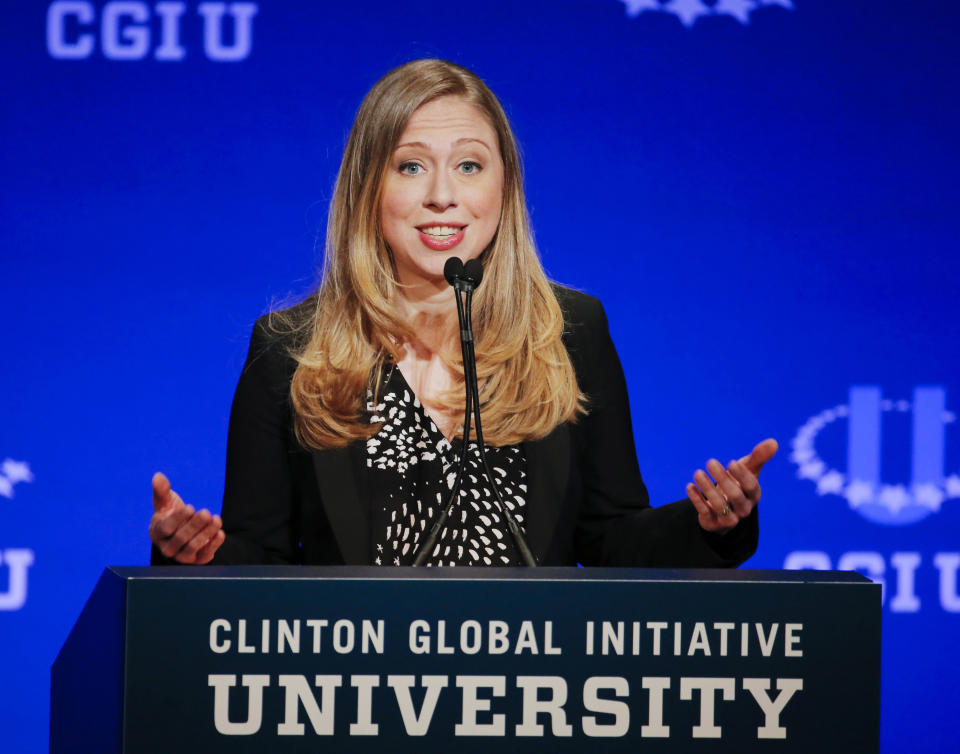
351	327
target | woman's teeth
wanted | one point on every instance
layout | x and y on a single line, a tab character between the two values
440	230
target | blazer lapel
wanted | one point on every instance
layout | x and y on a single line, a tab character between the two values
548	468
348	510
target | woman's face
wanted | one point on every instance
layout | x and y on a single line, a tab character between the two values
442	191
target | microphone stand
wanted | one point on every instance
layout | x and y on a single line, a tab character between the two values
423	552
470	375
464	279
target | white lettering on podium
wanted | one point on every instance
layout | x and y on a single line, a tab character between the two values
299	694
656	627
699	641
296	635
316	626
766	641
593	702
343	637
655	727
470	638
690	639
473	704
221	703
772	708
477	693
288	636
707	687
723	628
217	644
791	639
417	724
533	705
364	684
611	638
498	632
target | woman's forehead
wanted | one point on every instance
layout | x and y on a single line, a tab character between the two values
448	121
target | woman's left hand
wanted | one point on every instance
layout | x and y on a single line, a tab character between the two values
733	492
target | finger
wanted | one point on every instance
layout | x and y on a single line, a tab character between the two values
200	539
192	527
708	520
205	554
169	521
733	498
761	453
710	492
747	480
693	492
161	491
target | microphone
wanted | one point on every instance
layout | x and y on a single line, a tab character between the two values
472	273
452	269
465	278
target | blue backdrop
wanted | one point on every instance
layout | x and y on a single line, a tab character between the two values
763	193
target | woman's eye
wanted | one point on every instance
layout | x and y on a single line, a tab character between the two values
410	168
470	167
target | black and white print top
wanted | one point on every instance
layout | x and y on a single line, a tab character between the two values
411	469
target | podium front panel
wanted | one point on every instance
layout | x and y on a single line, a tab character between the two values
353	659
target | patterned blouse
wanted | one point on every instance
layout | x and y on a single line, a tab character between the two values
412	469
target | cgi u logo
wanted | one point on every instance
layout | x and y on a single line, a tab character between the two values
125	30
861	484
17	562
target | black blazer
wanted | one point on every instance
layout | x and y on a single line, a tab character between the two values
586	500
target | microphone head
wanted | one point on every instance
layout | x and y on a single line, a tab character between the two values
452	269
473	272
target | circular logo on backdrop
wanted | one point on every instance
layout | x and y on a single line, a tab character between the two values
688	11
882	502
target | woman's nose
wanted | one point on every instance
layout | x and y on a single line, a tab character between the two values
441	193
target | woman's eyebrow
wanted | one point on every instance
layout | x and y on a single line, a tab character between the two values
457	143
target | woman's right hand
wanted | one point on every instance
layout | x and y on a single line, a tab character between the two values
180	532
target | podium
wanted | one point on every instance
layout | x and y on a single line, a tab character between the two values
367	659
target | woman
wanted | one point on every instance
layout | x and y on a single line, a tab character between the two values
343	437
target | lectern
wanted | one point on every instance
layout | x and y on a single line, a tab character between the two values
348	659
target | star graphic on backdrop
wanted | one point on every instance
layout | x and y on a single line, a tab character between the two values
928	495
6	488
788	4
16	471
858	492
688	11
739	9
953	485
636	7
811	470
830	483
894	497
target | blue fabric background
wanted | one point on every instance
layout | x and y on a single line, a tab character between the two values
767	205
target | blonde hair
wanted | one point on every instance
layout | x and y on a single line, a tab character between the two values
352	327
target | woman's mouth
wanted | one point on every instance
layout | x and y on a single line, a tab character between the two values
441	237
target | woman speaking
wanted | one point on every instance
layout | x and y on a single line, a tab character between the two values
346	432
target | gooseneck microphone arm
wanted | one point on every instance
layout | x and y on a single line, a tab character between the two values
451	271
473	272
